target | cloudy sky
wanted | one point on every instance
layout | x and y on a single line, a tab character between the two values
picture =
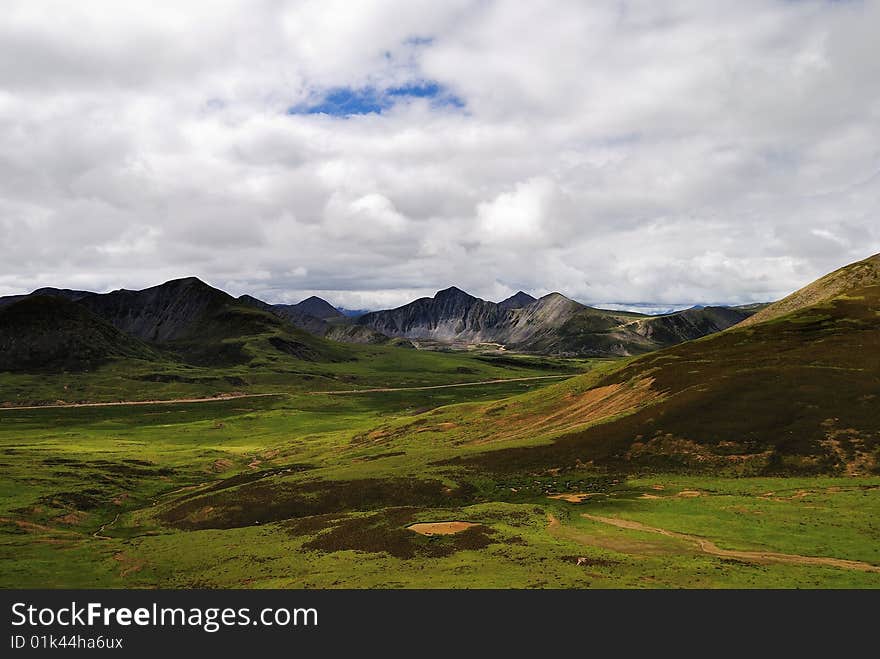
370	152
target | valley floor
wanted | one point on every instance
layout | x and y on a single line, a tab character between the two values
315	490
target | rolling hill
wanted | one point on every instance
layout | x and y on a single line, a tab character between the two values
794	394
855	275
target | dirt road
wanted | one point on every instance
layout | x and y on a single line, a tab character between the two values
172	401
442	386
214	399
710	547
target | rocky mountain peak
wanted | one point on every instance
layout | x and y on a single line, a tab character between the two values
518	300
453	293
318	307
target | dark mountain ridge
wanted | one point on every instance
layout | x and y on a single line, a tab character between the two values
168	312
66	293
183	319
517	300
317	307
48	333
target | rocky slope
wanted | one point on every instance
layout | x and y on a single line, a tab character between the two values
451	315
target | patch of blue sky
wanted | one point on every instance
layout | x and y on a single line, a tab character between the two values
350	101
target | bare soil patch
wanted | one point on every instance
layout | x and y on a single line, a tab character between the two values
580	497
440	528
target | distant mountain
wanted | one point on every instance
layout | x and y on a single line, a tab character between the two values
688	324
313	306
39	333
553	324
794	394
451	315
317	307
334	328
517	301
66	293
290	313
854	275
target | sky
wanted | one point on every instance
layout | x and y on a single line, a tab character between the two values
664	153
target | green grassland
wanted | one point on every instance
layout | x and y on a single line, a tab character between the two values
750	458
270	371
306	489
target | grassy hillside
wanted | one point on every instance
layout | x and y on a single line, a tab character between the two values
796	394
273	363
302	492
855	275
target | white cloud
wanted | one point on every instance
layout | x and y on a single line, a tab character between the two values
674	152
518	215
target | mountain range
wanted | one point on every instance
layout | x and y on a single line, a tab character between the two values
205	325
552	324
789	387
184	318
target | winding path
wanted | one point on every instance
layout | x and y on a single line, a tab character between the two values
120	403
216	399
710	547
99	533
443	386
